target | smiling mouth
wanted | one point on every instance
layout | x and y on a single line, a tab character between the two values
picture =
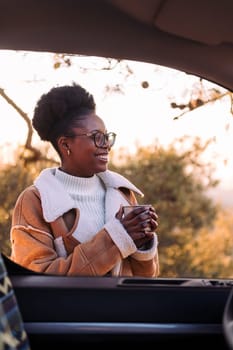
103	157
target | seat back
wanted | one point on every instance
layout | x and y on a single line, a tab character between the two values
12	333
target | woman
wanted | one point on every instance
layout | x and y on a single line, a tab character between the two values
70	221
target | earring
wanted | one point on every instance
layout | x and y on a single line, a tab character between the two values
68	151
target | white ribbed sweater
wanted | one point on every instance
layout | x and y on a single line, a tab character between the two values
89	196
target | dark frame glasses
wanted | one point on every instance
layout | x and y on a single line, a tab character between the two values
100	138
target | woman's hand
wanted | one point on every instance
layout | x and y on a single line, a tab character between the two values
140	223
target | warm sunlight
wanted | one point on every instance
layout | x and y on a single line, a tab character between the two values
133	98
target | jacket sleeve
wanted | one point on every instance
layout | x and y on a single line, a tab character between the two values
144	268
33	244
144	263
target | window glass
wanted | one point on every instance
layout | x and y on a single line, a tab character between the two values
174	141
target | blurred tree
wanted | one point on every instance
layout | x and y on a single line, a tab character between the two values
211	251
200	94
14	178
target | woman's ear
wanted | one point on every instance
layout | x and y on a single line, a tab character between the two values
63	146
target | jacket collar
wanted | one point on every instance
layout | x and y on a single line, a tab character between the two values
56	201
115	180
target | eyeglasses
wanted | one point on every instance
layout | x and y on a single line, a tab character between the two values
100	139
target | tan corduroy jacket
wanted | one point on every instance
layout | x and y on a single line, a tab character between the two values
43	223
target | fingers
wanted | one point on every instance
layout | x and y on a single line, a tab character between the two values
119	214
146	239
139	219
154	224
153	214
137	210
140	223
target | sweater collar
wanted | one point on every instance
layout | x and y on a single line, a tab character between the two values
72	184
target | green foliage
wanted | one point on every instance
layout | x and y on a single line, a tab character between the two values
14	178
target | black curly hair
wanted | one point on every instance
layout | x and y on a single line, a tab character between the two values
58	111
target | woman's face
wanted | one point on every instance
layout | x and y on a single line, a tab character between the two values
85	155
